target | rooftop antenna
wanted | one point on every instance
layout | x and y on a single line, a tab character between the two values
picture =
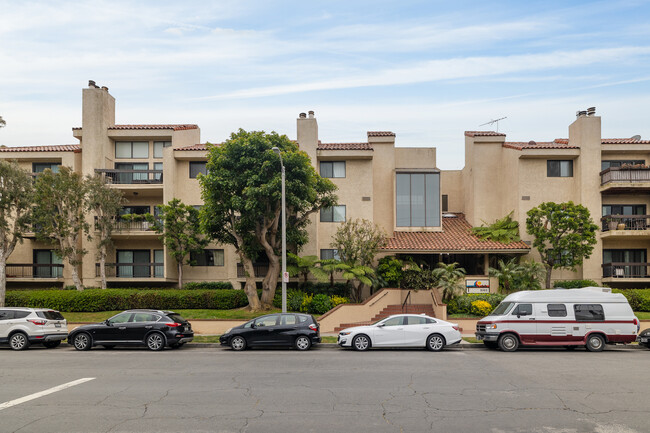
492	122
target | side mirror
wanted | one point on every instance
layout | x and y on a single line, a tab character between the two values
107	322
253	326
381	325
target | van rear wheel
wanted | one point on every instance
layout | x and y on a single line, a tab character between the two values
595	343
508	342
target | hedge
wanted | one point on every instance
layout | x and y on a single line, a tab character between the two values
639	299
574	284
124	299
208	285
463	304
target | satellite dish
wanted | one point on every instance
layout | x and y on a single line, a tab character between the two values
636	137
532	143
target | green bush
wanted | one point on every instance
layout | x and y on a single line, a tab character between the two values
320	304
574	284
299	301
481	308
463	304
124	299
339	289
639	299
208	285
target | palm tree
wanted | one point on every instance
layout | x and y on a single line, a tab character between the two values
449	277
330	267
507	273
531	275
363	275
303	266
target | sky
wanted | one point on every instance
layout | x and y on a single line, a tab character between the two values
426	70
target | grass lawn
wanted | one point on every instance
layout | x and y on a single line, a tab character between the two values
236	314
642	315
471	340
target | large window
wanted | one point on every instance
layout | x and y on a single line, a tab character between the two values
559	168
207	258
131	149
158	148
418	200
39	167
329	254
197	167
617	163
334	214
332	169
623	209
47	264
128	176
624	263
589	312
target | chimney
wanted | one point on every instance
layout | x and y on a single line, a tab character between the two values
302	116
91	84
591	111
307	131
105	88
311	114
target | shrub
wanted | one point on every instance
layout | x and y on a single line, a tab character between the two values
339	289
481	308
208	285
418	279
639	299
337	300
306	303
574	284
124	299
320	304
463	304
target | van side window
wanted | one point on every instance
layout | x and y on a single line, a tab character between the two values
556	310
589	312
523	310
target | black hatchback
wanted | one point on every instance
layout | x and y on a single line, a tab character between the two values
154	329
283	329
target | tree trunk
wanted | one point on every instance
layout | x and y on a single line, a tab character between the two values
249	288
180	275
102	265
3	280
548	275
270	281
75	277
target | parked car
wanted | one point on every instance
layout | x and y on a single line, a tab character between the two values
402	330
21	327
154	329
591	317
283	329
644	338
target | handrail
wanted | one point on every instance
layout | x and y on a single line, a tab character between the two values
378	298
408	295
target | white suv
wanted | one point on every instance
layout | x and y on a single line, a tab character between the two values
21	327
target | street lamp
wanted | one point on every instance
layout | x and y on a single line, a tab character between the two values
285	277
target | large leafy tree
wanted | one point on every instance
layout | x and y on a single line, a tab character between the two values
180	230
564	235
59	216
16	201
105	203
242	196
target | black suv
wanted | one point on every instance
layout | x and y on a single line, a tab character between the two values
152	328
283	329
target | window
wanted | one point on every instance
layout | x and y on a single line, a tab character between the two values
604	165
129	176
394	321
445	203
266	321
523	310
556	310
197	167
47	264
334	214
418	320
332	169
6	314
288	319
131	149
624	263
134	210
133	263
50	315
418	200
330	254
589	312
39	167
18	314
158	148
120	318
145	317
624	209
559	168
157	166
207	258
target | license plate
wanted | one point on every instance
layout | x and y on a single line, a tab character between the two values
58	325
643	340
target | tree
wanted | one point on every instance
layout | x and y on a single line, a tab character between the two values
507	272
242	196
180	231
358	242
331	267
16	201
564	235
303	266
449	278
362	275
59	215
531	275
105	202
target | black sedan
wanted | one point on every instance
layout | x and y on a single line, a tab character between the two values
154	329
286	329
644	338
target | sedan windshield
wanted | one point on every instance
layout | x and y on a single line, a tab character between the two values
502	308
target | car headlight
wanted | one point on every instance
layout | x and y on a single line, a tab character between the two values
345	333
228	331
492	326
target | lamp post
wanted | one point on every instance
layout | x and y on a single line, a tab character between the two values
284	238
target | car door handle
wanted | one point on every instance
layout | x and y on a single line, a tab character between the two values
122	328
531	318
148	327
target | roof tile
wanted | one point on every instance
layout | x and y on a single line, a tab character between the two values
52	148
484	134
344	146
381	134
175	127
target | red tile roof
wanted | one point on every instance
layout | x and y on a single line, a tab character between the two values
558	143
381	134
624	141
484	134
140	127
344	146
53	148
200	146
456	235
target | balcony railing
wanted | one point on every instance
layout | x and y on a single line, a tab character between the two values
133	270
260	270
34	270
625	222
129	177
626	270
131	226
631	174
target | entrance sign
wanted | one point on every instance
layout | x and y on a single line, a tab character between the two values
477	285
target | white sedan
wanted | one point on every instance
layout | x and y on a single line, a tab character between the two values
402	330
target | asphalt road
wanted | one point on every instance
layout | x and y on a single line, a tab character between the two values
325	390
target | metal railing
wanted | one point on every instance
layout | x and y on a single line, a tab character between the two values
133	270
408	296
625	222
625	174
626	270
122	225
127	177
34	270
260	270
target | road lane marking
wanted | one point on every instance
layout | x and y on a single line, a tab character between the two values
27	398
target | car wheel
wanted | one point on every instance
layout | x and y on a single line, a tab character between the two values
302	343
435	342
361	342
508	342
238	343
19	341
156	341
81	341
52	344
595	343
108	346
490	344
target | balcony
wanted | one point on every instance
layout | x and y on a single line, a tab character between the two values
260	270
626	272
132	177
126	229
133	271
34	271
625	179
626	226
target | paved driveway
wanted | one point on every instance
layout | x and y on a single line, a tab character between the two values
324	390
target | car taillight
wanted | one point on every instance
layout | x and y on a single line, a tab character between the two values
636	322
37	322
456	327
313	327
173	325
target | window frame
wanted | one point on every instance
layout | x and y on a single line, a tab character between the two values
213	251
131	146
331	164
429	210
194	163
44	164
555	309
335	254
327	211
600	318
559	161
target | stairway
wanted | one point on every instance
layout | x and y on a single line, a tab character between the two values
389	311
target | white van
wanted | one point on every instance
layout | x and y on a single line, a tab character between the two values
591	316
